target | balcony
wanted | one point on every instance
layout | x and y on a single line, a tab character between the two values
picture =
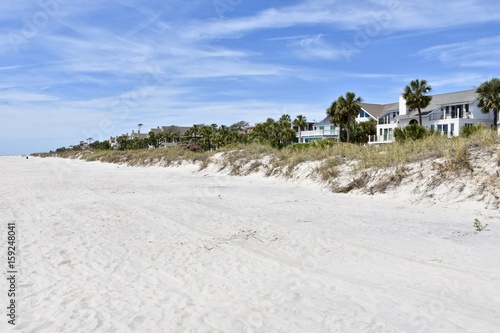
386	121
319	134
378	139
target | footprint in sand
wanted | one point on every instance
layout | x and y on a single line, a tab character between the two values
137	322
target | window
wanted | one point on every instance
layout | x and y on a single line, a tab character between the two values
363	114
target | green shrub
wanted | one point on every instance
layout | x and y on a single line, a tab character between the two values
299	146
410	133
478	226
469	130
322	143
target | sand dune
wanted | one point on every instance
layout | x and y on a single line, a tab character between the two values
109	248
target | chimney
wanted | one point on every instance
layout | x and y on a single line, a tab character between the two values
402	106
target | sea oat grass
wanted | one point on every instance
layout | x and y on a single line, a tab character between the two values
452	155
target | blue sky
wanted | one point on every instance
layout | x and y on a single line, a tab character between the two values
71	69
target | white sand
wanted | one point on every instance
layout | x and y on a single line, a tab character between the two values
108	248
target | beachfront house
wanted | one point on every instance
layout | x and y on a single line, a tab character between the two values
326	130
319	130
447	113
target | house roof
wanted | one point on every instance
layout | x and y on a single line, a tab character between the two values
156	130
139	135
175	129
325	121
378	110
459	97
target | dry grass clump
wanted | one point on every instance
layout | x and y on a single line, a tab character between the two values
356	183
390	181
328	169
164	156
237	156
457	159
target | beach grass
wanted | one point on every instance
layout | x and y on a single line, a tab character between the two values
329	156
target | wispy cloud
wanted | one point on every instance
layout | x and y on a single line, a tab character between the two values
314	47
14	96
483	52
385	15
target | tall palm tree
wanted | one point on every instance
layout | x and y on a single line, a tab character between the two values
346	108
301	122
194	131
416	98
285	118
336	118
489	98
139	126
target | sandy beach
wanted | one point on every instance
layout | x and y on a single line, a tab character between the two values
110	248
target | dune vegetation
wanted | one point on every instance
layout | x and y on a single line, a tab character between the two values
455	155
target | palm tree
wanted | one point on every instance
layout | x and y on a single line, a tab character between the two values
192	133
259	132
239	126
301	122
285	118
489	98
286	136
139	126
206	133
416	98
336	118
343	111
223	131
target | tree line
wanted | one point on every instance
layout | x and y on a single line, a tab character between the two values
342	113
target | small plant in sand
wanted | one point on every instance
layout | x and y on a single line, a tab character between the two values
478	226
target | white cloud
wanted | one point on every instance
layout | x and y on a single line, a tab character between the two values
483	52
315	47
376	15
15	96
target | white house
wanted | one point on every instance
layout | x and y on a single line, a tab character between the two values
325	129
320	130
447	113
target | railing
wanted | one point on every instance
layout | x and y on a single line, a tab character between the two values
441	115
381	138
385	121
318	133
